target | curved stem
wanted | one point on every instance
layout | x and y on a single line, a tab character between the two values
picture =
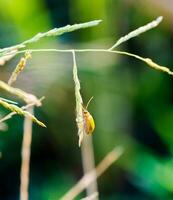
148	61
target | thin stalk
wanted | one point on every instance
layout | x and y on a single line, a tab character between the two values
27	97
88	178
26	150
21	112
52	32
148	61
79	101
137	32
6	117
88	163
87	146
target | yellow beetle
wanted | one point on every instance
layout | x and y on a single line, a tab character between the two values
89	124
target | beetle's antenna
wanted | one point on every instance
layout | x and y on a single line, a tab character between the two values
89	102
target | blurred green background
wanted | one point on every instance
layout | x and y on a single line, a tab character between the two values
132	106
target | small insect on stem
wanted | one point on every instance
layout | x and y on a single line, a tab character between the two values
89	124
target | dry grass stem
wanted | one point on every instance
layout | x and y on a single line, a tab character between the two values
23	108
87	146
20	111
88	178
88	163
25	156
53	32
137	32
130	35
19	68
148	61
6	58
28	98
91	197
79	101
3	127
